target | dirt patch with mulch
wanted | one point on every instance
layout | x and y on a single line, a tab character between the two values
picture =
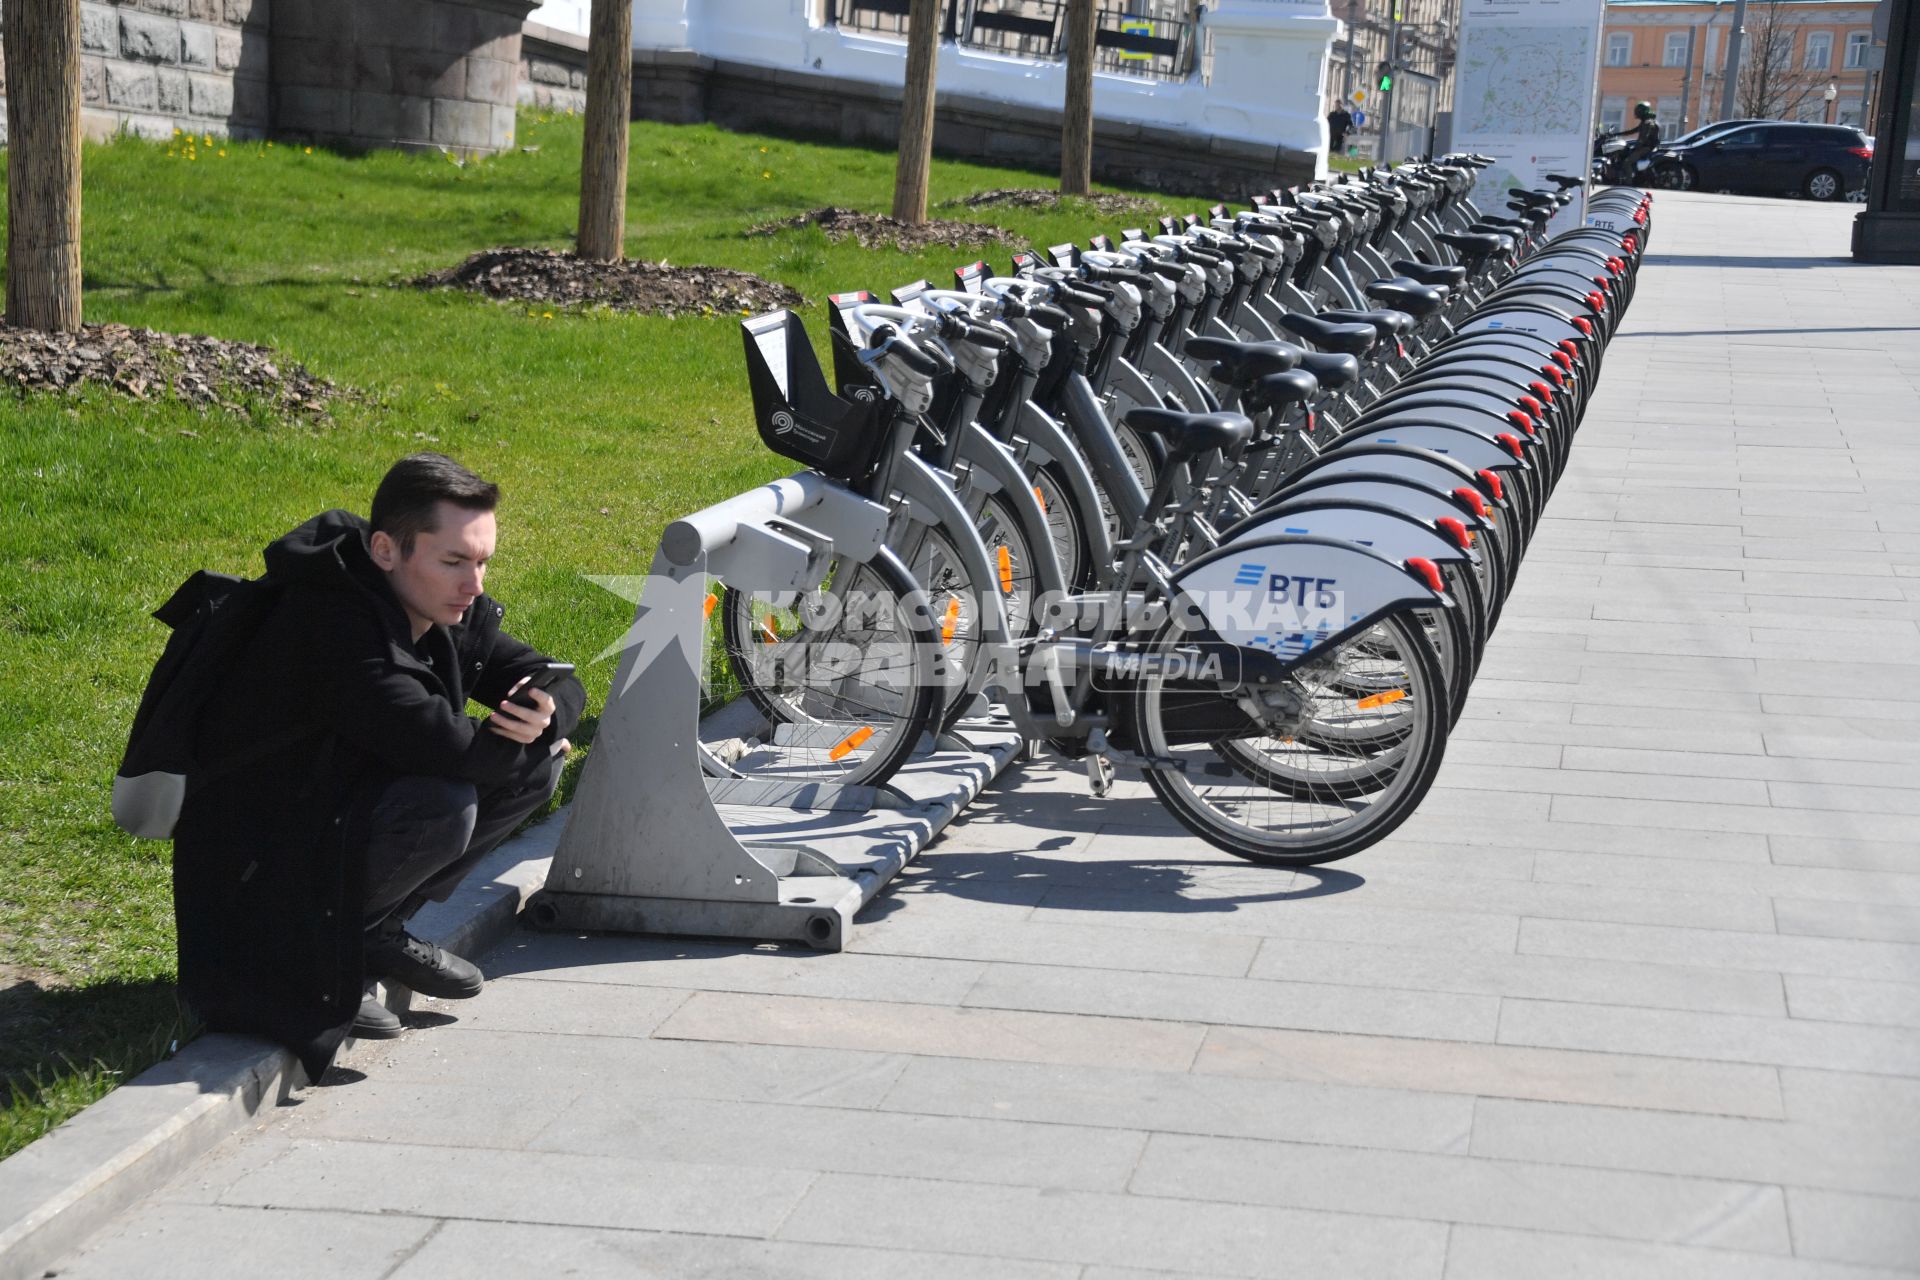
549	277
872	230
1105	203
208	373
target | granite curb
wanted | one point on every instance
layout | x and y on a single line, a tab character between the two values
60	1190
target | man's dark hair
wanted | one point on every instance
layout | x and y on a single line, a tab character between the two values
403	505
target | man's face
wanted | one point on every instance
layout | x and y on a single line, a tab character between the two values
445	572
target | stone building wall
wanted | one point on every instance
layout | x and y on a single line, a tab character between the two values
417	74
553	69
683	87
152	66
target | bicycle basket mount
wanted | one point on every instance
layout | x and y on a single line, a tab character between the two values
797	414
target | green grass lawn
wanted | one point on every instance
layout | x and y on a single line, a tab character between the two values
600	428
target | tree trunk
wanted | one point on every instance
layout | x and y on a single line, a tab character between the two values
43	163
916	113
1076	137
603	156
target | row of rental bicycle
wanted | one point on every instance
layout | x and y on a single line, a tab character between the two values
1233	501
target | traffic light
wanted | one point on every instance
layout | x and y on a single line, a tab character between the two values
1386	77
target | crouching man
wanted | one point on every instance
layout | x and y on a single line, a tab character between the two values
363	790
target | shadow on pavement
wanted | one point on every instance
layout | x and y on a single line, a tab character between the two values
1144	884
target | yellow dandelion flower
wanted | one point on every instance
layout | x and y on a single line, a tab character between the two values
223	152
766	173
309	150
546	315
269	146
763	151
208	140
176	133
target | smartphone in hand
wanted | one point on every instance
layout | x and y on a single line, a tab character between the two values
545	678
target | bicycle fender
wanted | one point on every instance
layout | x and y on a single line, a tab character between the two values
1422	501
1394	534
1288	596
1479	452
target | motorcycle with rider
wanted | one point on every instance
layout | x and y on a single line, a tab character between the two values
1626	158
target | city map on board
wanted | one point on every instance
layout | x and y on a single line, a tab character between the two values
1516	80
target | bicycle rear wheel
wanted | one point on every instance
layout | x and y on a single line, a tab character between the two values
1332	805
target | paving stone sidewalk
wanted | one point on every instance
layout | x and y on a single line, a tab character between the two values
1636	994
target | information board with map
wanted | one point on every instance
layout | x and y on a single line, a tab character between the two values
1523	94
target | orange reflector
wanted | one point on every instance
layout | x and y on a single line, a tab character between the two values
1006	571
712	600
850	743
1040	497
1386	699
952	619
766	629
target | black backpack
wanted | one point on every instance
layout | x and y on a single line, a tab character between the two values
214	616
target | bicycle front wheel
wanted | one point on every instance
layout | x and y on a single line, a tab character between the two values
844	680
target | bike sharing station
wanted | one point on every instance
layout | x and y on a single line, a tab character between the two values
779	817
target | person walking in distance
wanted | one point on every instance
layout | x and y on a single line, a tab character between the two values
1339	125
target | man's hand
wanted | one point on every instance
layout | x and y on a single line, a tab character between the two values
519	723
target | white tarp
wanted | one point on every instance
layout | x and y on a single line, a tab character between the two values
1523	93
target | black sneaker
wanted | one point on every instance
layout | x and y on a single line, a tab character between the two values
375	1022
394	953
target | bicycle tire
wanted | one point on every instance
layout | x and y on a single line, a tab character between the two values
894	717
1320	836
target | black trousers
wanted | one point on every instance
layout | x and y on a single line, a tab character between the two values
426	834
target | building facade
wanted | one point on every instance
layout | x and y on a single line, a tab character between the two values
1429	40
1805	60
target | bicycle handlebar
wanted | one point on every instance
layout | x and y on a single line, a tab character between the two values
885	340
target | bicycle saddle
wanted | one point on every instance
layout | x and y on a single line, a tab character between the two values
1431	272
1190	434
1410	296
1278	390
1388	324
1351	339
1241	364
1332	369
1474	246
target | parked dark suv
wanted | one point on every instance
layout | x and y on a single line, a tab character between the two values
1821	161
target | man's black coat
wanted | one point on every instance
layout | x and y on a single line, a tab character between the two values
268	875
